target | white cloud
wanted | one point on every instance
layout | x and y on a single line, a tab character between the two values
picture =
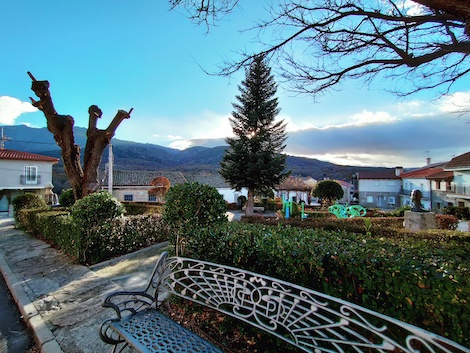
11	108
173	137
366	117
455	103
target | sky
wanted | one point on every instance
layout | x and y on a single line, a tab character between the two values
138	54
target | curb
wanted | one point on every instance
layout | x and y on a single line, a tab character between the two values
43	336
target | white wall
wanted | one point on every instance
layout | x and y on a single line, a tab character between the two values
11	171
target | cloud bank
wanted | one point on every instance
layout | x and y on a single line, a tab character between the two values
405	136
11	108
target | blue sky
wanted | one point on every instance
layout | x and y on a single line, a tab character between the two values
120	54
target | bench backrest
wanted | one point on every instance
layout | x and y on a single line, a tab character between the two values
309	320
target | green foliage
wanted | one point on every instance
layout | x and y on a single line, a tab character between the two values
462	213
122	235
25	201
254	159
66	198
95	209
191	206
329	191
140	208
400	212
110	239
421	281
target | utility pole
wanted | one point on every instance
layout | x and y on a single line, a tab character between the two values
2	140
110	169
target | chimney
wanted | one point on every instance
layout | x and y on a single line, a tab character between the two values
428	161
398	171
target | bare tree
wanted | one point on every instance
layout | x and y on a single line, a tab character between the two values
319	43
84	180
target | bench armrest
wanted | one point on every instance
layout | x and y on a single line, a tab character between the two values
123	303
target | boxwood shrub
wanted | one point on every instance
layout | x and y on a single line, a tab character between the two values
423	281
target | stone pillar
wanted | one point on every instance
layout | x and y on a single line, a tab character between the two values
420	220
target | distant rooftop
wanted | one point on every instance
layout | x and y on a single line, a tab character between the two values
26	156
459	162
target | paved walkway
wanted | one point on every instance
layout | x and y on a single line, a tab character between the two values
59	300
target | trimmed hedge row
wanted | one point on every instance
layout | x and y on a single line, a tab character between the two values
385	226
417	280
101	242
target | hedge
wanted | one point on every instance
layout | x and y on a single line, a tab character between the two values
116	237
418	280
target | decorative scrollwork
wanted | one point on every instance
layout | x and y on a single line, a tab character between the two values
306	318
341	211
309	320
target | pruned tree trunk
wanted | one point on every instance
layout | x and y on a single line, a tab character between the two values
250	203
84	180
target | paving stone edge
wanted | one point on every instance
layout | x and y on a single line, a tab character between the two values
43	336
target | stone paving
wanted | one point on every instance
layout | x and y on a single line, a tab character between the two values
59	300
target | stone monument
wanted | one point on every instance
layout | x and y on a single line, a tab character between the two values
418	218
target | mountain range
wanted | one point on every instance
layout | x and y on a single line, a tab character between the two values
130	155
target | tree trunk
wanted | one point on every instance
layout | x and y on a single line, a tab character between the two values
250	203
84	181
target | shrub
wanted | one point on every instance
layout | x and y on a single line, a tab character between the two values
422	281
95	209
140	208
462	213
67	199
122	235
191	206
447	222
26	201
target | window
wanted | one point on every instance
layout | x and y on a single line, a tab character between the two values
152	198
128	197
370	199
31	175
391	200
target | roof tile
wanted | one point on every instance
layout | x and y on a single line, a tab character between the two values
27	156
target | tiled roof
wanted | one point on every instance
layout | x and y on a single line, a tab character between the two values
421	173
441	176
142	178
26	156
389	174
212	179
459	162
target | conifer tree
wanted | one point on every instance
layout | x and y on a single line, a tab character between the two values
254	158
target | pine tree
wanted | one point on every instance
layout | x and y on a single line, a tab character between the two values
254	158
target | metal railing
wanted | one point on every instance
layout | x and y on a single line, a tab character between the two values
462	189
30	180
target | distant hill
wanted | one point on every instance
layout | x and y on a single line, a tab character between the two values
130	155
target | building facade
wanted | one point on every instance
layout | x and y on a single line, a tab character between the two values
24	172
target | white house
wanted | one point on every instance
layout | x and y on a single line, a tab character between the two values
459	191
22	172
379	189
420	179
133	185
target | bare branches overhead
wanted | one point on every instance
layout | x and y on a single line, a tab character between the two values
315	45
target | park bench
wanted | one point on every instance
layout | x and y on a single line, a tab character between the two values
306	319
259	209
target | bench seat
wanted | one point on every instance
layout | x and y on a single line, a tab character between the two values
151	331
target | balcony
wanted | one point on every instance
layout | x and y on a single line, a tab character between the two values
30	179
424	194
461	189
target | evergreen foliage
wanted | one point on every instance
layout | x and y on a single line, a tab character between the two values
95	209
191	206
67	199
25	201
329	191
254	158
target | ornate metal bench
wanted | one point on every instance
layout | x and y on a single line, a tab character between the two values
309	320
